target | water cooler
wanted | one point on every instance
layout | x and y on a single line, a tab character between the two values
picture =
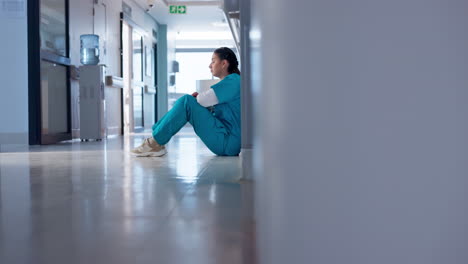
92	102
92	99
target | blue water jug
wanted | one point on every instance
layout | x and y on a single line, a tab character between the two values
89	49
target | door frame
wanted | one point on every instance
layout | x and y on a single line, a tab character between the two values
155	73
126	19
127	94
35	56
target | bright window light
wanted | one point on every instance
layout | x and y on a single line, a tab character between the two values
193	66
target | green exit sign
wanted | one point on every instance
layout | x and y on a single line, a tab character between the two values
177	9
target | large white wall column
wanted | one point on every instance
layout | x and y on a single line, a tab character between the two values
361	131
246	92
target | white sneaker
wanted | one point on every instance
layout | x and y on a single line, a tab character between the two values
147	149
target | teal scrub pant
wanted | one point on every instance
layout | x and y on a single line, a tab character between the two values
210	129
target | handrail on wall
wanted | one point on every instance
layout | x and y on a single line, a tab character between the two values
114	81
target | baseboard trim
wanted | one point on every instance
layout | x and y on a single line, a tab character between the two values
113	131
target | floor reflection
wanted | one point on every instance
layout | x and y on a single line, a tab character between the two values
15	209
91	202
187	165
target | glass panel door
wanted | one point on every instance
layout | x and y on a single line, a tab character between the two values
137	87
53	28
138	108
137	57
54	72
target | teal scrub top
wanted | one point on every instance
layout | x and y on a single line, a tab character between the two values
228	110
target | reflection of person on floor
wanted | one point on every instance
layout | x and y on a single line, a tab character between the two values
214	114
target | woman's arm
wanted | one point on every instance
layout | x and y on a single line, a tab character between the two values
207	98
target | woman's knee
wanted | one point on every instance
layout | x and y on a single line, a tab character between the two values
188	99
184	98
185	101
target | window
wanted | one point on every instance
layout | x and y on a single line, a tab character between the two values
137	57
192	66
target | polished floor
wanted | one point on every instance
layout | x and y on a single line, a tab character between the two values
91	202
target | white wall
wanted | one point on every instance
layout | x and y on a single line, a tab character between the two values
13	78
114	7
362	131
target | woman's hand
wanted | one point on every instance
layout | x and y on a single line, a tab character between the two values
195	94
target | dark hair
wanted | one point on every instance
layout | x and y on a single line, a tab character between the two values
229	55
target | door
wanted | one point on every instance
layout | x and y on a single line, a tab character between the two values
155	74
127	78
137	81
132	73
49	89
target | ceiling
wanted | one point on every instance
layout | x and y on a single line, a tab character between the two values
203	24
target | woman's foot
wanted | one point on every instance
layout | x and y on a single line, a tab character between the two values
149	148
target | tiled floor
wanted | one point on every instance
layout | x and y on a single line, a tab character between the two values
92	202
